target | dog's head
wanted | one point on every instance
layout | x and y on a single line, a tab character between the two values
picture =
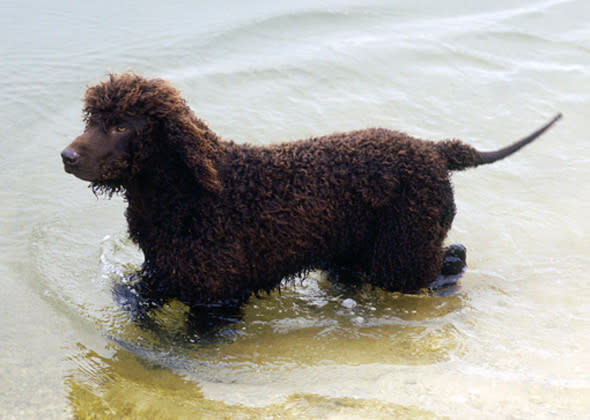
129	119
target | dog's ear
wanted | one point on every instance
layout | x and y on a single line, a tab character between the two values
196	147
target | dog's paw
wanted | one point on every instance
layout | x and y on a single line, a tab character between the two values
128	297
454	260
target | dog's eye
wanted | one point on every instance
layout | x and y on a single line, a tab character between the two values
120	129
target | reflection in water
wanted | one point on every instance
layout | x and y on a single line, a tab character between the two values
164	368
349	316
126	386
159	368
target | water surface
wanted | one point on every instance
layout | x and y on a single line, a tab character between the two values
512	342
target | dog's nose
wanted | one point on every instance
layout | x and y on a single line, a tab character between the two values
70	156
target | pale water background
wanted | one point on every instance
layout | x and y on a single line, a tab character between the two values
513	342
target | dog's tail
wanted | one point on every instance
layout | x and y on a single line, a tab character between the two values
461	156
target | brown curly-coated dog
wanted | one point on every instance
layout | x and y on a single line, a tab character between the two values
218	221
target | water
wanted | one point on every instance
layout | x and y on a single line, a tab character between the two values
512	342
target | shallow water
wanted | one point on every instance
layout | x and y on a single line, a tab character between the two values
512	342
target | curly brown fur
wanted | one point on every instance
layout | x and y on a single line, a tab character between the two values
218	220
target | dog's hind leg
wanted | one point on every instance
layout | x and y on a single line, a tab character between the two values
453	265
406	256
408	253
454	260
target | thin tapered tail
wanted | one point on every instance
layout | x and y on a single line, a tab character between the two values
490	157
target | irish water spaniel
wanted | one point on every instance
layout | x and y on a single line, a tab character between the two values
218	221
